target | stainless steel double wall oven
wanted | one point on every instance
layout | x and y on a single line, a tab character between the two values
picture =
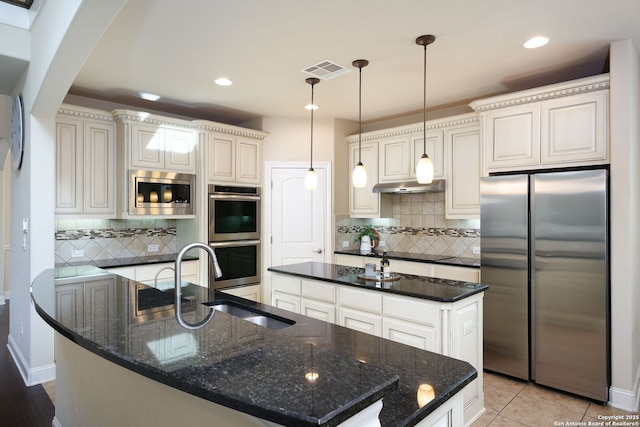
234	234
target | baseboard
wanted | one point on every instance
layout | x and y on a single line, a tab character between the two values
627	400
2	300
30	376
55	422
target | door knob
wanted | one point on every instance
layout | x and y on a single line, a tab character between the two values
318	251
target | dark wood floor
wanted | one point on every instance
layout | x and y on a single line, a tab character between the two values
20	406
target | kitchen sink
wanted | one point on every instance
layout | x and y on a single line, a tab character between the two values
252	315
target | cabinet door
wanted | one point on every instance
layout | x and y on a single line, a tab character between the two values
248	292
220	158
69	164
360	321
100	309
70	304
435	151
409	333
180	150
319	310
147	146
99	168
512	137
574	129
363	202
395	160
463	172
286	301
248	161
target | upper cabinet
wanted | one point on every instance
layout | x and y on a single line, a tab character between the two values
156	143
560	125
231	154
363	202
85	163
400	151
463	168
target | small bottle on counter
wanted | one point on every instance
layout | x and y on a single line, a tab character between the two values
385	265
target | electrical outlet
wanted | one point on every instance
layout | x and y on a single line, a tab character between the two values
476	250
345	243
382	243
152	248
76	253
21	330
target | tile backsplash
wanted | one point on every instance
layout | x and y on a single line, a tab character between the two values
107	239
418	226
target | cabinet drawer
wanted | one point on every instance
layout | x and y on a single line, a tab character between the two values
289	285
319	291
410	309
362	300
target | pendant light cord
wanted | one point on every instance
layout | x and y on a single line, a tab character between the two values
360	118
312	108
424	104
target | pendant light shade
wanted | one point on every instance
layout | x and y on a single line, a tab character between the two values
311	178
359	176
424	168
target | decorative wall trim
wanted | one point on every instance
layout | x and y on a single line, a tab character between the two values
560	90
417	128
228	129
85	113
423	231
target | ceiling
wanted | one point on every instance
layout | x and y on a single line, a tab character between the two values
176	49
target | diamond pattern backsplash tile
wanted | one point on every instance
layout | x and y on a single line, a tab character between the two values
107	239
419	225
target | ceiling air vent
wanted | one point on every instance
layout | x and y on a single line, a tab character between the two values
326	70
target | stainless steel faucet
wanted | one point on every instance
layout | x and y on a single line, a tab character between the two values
178	283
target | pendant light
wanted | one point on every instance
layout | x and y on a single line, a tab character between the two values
424	168
359	176
311	178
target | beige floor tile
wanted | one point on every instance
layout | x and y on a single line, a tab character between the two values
50	389
497	398
538	413
545	394
507	383
501	421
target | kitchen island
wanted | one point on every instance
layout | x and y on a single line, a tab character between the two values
123	359
435	314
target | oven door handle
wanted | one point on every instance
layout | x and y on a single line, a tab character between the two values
233	243
233	197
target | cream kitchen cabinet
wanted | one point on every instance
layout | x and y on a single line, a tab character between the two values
463	171
155	143
85	163
363	202
560	125
233	159
360	310
147	273
399	155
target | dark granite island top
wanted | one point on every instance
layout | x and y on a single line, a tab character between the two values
243	366
431	288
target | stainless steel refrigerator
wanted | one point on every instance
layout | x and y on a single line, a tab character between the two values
544	253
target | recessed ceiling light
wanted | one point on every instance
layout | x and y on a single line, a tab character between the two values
149	96
223	81
535	42
311	107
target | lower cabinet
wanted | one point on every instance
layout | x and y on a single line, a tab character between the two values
147	273
250	292
453	329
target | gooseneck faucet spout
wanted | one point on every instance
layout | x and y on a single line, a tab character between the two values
178	282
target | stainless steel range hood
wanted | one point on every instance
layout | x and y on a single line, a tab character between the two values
437	186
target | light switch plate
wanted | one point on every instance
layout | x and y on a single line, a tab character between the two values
345	243
476	250
77	253
152	248
382	243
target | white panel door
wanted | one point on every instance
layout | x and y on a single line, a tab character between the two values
298	217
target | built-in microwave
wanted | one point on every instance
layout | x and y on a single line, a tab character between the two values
239	262
161	193
234	213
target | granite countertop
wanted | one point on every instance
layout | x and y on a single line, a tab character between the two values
410	256
228	354
431	288
126	262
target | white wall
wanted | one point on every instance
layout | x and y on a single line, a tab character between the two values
625	227
60	39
